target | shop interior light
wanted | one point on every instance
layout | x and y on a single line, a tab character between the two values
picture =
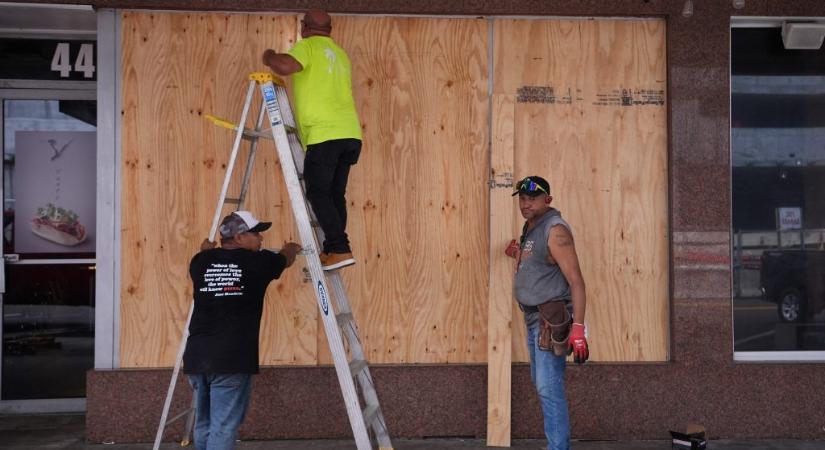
738	4
803	35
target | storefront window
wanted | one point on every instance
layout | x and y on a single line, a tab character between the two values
778	181
49	187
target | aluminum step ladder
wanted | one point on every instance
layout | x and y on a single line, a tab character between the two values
353	373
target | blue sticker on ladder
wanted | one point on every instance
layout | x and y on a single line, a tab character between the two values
272	106
322	296
269	95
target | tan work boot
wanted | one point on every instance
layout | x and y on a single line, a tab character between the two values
332	261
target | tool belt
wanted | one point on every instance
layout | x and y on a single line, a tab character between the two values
555	324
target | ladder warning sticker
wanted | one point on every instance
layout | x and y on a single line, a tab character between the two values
272	106
322	297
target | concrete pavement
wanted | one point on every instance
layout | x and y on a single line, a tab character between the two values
66	432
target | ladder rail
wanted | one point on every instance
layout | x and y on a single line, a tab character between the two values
230	167
356	349
344	318
253	148
168	402
302	219
213	230
289	120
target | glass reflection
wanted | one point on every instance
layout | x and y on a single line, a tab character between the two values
778	176
48	331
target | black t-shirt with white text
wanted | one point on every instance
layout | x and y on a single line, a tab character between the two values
229	288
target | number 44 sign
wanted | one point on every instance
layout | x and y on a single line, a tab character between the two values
84	62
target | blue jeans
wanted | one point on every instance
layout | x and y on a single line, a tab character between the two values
547	371
221	401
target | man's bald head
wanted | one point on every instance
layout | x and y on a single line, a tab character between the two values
317	22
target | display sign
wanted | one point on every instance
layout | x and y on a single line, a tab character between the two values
788	218
54	190
47	59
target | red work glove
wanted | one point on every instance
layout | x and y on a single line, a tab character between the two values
512	249
578	344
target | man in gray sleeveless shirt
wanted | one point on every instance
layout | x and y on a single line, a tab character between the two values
548	271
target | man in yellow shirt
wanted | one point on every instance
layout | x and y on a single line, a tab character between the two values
329	127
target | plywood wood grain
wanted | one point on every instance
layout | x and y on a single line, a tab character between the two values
176	68
418	199
418	202
503	228
590	116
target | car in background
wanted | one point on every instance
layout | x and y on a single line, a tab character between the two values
795	281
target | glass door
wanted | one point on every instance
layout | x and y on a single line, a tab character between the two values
49	200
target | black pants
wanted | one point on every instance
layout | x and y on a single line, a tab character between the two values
326	171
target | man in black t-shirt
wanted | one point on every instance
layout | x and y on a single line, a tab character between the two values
222	350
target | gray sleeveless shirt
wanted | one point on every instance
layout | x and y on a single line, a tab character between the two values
537	281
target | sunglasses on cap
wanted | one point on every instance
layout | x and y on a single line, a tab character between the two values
527	185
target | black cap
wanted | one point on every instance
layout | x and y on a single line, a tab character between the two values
532	186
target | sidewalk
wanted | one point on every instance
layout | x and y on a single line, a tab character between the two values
65	432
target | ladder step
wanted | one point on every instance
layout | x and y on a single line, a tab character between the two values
234	201
356	366
344	318
370	413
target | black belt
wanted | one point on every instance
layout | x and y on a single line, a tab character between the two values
532	309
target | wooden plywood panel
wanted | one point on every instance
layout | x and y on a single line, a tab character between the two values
503	228
418	198
590	116
177	67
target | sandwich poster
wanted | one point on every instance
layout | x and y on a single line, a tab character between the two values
54	188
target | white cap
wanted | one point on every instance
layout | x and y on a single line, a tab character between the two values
241	222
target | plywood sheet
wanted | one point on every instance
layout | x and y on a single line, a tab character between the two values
176	68
418	202
503	228
591	117
418	199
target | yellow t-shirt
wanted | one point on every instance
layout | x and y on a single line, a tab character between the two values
324	107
